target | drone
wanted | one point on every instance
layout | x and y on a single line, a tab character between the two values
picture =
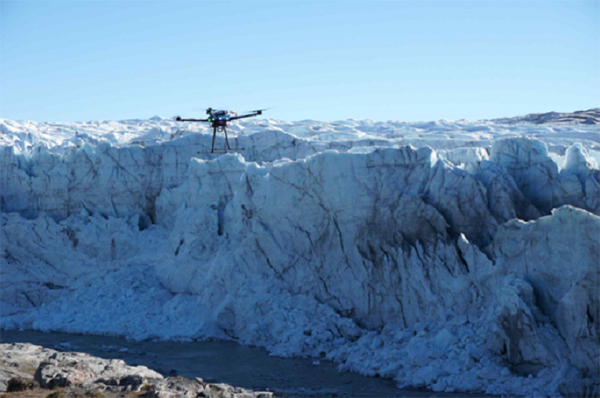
218	119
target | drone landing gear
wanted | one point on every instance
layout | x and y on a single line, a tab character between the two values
221	150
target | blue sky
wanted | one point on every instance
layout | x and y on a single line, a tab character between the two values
328	60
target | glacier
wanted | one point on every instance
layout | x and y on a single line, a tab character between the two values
449	255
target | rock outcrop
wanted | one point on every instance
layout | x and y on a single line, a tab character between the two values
82	373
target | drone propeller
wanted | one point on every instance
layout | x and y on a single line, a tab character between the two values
259	111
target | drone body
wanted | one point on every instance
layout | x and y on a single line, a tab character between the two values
218	120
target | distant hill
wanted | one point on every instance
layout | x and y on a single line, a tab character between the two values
591	116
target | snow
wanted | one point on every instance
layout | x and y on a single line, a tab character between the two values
452	255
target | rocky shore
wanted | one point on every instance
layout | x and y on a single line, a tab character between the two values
28	370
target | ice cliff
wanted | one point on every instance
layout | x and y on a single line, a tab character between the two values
457	256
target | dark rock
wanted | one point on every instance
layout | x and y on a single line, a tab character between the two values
21	384
133	382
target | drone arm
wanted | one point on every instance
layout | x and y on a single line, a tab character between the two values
190	120
244	116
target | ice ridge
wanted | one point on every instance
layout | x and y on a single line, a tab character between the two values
456	268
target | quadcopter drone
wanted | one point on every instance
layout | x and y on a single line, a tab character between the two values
218	120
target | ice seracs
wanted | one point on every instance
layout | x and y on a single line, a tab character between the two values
456	256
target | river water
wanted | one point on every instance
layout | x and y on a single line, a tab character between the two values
225	362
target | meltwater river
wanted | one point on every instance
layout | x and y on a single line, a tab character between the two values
225	362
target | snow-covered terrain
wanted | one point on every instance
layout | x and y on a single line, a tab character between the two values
452	255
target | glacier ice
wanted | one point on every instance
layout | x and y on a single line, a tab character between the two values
457	256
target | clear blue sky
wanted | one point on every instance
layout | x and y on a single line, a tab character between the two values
329	60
